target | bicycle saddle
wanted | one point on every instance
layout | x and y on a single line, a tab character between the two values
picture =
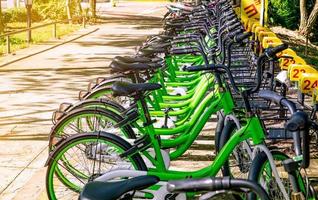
119	66
121	88
130	59
113	190
149	50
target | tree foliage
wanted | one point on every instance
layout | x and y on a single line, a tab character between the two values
42	10
55	9
287	13
284	13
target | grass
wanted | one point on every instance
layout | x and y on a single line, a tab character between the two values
298	44
312	55
18	41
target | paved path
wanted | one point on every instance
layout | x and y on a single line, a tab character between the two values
32	88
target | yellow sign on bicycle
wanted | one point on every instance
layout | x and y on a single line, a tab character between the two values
287	52
286	62
295	71
271	42
308	82
262	34
252	9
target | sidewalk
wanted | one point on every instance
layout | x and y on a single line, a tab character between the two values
30	89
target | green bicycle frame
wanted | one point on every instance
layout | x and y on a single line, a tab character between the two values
252	130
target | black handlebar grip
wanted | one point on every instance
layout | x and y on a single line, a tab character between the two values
299	121
271	52
209	184
234	26
195	68
182	51
239	38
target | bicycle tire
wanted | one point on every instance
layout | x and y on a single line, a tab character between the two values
259	165
241	157
54	169
58	130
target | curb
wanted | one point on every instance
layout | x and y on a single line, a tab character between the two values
46	49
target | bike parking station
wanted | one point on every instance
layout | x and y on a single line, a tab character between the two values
211	61
119	139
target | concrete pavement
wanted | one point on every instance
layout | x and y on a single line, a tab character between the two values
32	88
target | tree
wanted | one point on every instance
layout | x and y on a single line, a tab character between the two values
307	21
68	11
93	7
1	20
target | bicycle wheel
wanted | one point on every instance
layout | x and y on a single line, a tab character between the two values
100	103
81	158
261	172
218	129
107	92
88	120
239	161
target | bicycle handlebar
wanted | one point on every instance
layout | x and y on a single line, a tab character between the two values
280	100
297	124
271	52
239	38
211	67
214	184
183	50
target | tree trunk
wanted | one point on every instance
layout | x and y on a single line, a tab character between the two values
68	10
79	6
1	20
303	14
93	8
310	21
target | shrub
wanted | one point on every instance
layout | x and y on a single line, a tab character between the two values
20	15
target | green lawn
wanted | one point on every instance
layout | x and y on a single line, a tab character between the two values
311	57
18	41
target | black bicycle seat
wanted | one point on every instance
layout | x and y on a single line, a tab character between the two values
149	50
97	190
121	88
130	59
119	66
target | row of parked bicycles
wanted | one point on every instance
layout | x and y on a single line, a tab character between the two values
117	142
